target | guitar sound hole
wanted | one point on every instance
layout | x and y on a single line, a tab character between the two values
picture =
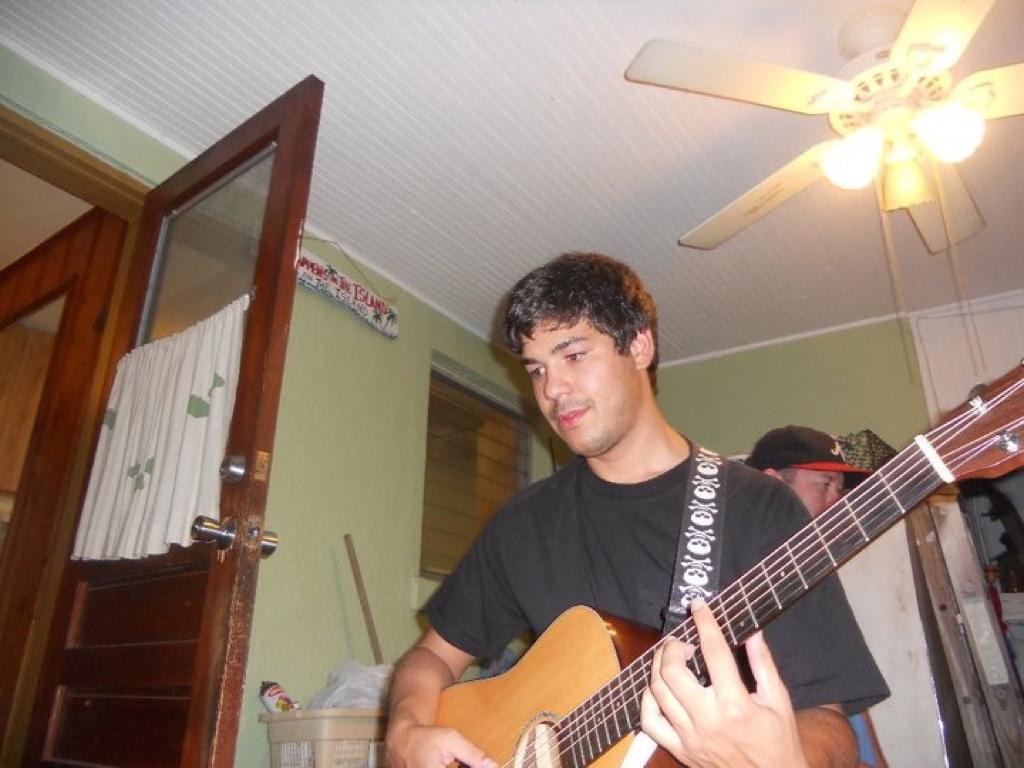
538	747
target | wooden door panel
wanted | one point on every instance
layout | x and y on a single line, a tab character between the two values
126	732
170	604
149	668
124	681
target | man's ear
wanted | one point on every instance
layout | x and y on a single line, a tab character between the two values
641	348
775	473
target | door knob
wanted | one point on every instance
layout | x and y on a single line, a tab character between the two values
268	543
222	533
232	469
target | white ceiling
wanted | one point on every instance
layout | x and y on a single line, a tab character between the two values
463	143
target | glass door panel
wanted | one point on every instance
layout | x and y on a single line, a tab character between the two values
207	251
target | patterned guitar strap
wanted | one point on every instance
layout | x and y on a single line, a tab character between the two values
700	535
697	558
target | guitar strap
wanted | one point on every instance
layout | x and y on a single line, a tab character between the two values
699	553
697	558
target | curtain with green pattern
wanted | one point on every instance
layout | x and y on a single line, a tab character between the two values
162	441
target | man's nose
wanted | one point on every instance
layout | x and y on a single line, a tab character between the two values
832	494
556	385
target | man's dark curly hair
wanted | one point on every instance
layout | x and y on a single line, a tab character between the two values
583	286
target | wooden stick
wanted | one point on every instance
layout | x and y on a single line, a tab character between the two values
364	604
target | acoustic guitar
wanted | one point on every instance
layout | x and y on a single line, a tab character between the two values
574	698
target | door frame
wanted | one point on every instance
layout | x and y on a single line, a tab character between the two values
59	162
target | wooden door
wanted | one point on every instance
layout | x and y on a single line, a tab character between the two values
53	307
146	659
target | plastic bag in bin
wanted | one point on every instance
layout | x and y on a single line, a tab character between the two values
352	685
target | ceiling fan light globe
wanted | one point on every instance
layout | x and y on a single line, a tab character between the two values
852	162
905	185
951	131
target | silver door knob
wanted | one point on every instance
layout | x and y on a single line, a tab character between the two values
264	540
221	533
232	469
268	544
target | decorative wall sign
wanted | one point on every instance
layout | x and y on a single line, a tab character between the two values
317	275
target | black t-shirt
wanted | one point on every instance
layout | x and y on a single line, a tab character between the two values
575	539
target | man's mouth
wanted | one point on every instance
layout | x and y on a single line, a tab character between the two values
567	419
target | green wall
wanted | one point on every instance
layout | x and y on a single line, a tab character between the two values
838	382
349	452
349	458
45	100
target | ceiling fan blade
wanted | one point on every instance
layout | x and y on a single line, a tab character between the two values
964	217
936	32
995	93
791	178
688	67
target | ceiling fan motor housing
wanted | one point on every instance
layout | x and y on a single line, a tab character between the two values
885	87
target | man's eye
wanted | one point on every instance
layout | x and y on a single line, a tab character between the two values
534	373
575	356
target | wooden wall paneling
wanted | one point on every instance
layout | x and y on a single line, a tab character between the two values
24	358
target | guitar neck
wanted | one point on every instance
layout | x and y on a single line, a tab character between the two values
818	549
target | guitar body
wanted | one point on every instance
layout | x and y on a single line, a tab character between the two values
581	651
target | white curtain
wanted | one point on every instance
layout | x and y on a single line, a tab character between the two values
163	438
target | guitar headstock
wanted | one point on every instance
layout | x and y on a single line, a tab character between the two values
984	437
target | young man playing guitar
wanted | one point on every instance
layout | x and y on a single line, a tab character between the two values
604	531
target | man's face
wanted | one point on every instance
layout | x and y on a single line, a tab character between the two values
817	490
587	390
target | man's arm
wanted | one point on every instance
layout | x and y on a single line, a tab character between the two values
413	741
827	739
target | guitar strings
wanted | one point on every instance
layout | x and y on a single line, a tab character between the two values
722	604
725	606
728	600
602	700
968	452
583	727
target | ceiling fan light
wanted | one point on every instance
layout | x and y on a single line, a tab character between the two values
851	163
905	185
951	132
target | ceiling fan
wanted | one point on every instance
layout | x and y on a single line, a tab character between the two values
900	114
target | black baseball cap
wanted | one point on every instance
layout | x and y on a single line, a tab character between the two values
800	447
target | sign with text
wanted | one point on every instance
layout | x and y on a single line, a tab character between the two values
317	275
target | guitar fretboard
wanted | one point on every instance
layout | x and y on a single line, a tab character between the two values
758	596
